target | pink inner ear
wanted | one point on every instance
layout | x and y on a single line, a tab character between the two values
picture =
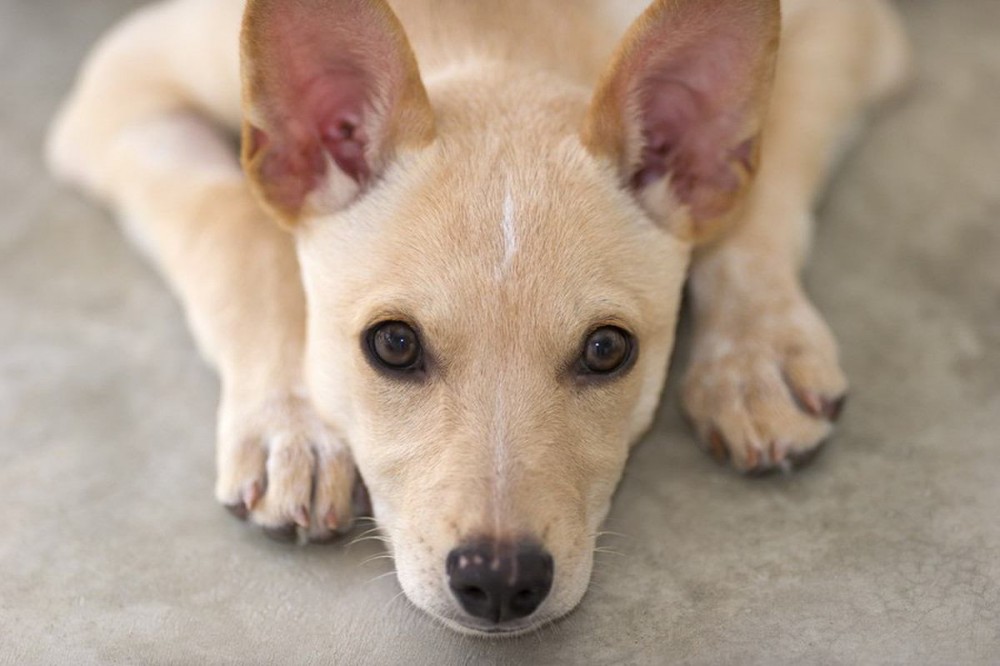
324	119
683	136
669	111
693	91
334	105
685	139
317	72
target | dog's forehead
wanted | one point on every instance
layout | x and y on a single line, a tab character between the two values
527	241
513	209
545	239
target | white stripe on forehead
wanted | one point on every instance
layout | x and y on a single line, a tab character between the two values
509	232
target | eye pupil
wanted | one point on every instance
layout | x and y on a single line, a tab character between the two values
606	350
395	345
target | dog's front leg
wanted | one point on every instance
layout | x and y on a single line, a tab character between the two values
764	384
126	134
237	275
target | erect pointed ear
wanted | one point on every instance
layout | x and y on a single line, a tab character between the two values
331	92
680	110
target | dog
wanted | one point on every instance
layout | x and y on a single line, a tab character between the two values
450	256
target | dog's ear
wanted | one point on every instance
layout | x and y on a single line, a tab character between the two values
331	92
680	110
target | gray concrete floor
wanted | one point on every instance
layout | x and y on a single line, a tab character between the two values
887	550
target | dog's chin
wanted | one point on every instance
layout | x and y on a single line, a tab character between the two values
493	632
449	615
453	619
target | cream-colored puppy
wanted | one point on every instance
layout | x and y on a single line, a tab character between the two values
488	210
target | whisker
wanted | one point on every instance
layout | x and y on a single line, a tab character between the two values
390	602
374	537
380	576
598	535
608	566
604	571
537	633
606	576
364	535
380	556
609	551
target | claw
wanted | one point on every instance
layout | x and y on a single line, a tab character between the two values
252	493
361	503
331	521
832	409
811	402
301	517
822	408
778	452
239	509
717	447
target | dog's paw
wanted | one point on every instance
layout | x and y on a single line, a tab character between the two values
282	468
764	386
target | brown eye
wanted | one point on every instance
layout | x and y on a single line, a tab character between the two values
395	346
606	350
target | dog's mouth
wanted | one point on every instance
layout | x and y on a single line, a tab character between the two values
471	628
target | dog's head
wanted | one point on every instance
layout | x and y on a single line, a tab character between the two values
494	265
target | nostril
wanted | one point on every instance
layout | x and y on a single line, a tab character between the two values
527	600
472	592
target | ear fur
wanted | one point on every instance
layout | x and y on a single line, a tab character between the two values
680	110
331	92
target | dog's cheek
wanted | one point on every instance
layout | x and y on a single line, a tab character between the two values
652	375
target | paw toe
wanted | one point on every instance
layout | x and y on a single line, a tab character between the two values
332	497
241	479
817	384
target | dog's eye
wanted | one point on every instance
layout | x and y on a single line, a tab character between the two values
606	350
395	345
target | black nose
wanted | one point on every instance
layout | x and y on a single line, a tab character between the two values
499	582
